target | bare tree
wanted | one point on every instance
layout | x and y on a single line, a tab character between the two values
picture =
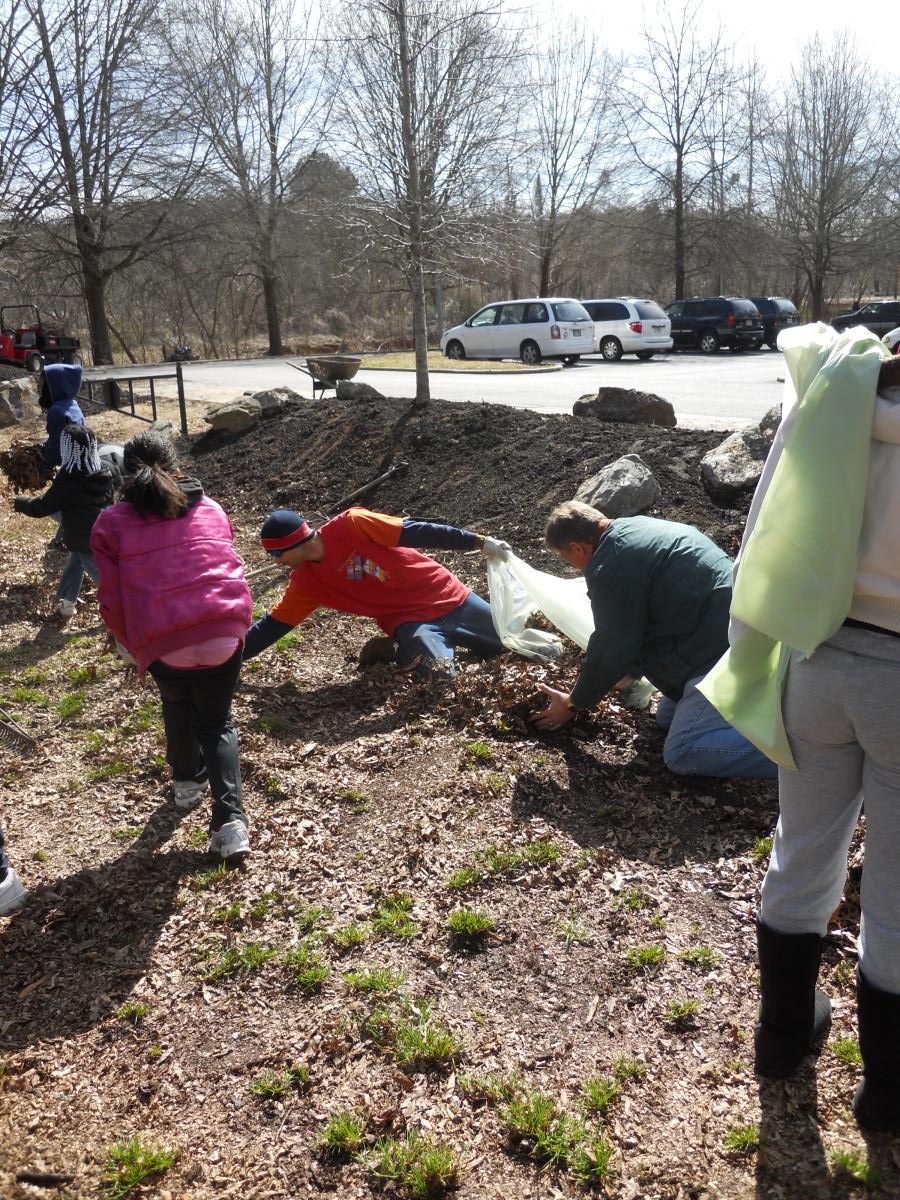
571	80
422	104
827	159
667	100
251	82
100	113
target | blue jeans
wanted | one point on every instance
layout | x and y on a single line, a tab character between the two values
80	563
469	625
201	742
701	742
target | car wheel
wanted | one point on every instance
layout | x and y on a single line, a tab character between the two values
455	350
708	342
738	347
34	363
611	349
772	343
530	353
571	359
644	355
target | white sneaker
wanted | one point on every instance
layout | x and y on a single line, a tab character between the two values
66	609
12	892
230	842
188	794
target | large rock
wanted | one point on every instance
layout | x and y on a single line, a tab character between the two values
20	395
628	406
8	415
621	489
736	464
276	400
234	416
348	390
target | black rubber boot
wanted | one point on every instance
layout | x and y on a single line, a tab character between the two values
876	1104
794	1016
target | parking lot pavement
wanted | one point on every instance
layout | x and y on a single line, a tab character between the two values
722	391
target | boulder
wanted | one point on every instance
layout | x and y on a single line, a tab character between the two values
736	465
276	400
234	416
626	405
348	390
8	415
20	395
770	422
622	488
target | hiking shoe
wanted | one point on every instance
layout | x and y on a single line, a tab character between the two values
188	794
230	842
12	892
66	609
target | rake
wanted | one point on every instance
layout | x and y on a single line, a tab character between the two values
14	735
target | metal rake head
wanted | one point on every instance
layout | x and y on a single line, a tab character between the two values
13	735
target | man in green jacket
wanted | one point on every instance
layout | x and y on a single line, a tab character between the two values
660	594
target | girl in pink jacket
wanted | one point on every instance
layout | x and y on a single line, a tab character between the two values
173	594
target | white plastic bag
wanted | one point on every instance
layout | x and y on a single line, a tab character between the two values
517	590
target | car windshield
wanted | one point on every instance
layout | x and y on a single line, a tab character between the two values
570	310
648	310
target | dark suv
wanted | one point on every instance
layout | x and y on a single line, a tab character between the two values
881	316
777	314
708	322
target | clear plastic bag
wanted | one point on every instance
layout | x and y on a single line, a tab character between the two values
517	591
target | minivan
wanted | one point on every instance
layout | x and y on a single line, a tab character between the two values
545	327
777	314
626	325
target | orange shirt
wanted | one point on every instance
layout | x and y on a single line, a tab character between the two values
364	570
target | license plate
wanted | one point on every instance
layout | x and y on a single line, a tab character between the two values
658	328
576	333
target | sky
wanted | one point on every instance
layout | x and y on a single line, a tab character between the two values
775	29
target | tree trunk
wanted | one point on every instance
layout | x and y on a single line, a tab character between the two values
95	302
678	197
273	321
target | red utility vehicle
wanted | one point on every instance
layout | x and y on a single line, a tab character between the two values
26	342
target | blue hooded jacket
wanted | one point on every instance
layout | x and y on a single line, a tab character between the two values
63	383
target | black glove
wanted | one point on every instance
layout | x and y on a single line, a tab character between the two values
20	504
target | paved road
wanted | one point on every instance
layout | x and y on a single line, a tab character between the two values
724	391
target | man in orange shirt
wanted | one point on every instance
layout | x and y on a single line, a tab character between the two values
370	564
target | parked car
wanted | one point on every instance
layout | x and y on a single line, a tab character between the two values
777	314
881	316
629	326
546	327
707	322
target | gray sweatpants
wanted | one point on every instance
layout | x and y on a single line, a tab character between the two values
842	714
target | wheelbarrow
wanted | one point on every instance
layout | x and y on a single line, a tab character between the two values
328	370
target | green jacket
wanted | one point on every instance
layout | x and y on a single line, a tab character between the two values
660	593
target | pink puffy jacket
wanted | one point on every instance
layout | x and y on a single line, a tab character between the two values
169	583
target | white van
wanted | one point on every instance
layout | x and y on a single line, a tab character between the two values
546	327
627	325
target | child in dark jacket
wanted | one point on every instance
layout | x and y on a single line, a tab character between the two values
81	490
62	383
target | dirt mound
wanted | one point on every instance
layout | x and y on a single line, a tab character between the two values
486	466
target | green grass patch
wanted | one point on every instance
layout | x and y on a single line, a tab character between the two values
127	833
288	642
307	969
702	957
392	917
598	1093
624	1067
348	937
310	917
110	770
742	1139
130	1163
550	1136
466	877
412	1036
229	914
633	899
29	695
470	926
475	753
856	1165
762	848
681	1012
572	933
342	1135
490	1087
71	705
210	877
275	1085
645	958
240	962
377	981
497	861
847	1050
417	1166
79	676
132	1012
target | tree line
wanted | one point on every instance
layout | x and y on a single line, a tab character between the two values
225	172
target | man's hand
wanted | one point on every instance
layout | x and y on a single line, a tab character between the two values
557	713
492	548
